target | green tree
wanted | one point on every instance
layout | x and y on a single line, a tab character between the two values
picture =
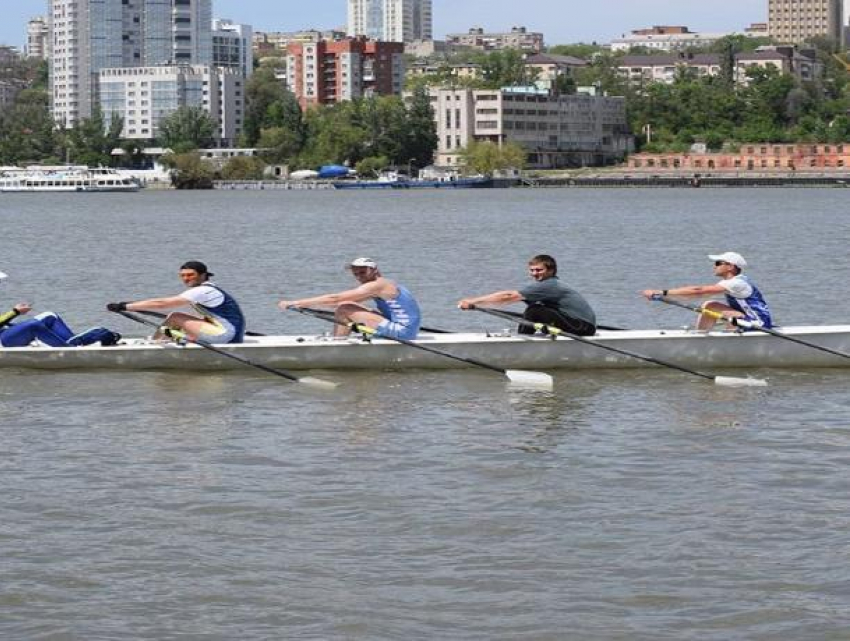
28	132
92	140
371	166
507	68
262	91
487	157
279	144
421	139
186	129
189	171
577	50
243	168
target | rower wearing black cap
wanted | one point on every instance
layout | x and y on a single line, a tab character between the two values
219	319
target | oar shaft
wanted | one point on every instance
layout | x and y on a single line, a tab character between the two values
751	326
555	331
220	352
363	329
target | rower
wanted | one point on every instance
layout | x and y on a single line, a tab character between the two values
219	318
743	298
48	328
549	301
397	314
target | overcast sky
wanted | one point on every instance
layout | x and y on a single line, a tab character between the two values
561	21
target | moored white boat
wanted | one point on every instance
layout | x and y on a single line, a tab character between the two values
69	178
716	350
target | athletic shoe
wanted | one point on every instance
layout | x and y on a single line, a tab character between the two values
111	340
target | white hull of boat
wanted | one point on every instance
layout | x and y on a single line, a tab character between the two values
716	350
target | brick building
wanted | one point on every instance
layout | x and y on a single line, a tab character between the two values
326	72
758	157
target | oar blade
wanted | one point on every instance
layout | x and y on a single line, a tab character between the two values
525	378
731	381
318	383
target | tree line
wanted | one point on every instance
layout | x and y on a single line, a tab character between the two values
372	133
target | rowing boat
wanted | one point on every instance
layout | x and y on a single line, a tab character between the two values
504	349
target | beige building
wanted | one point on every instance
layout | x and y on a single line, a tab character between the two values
796	21
143	96
517	38
38	38
276	43
665	38
556	131
802	64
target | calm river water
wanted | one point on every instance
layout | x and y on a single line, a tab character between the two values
424	505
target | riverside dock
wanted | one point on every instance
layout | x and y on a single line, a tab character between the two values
679	179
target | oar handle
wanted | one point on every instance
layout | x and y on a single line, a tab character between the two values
701	309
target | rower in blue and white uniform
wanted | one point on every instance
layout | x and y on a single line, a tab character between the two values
397	314
219	318
48	329
743	299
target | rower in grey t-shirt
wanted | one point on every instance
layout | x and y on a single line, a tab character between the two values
553	294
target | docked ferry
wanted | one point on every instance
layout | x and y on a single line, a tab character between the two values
65	178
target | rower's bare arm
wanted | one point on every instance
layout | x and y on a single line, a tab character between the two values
364	292
157	303
686	292
496	298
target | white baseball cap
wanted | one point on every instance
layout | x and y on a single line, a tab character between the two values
2	275
364	262
730	257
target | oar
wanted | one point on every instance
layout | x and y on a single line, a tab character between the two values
329	316
306	380
516	376
745	324
158	315
555	331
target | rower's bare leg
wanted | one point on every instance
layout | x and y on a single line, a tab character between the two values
706	323
192	325
354	313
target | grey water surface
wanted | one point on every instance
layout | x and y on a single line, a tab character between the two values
424	505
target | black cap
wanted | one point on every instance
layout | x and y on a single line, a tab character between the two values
197	266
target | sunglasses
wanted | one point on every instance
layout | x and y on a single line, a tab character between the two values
718	263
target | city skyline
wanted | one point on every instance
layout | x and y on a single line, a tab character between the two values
601	22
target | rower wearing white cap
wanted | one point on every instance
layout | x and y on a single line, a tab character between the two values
397	316
743	298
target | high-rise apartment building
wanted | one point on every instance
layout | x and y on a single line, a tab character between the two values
797	21
332	71
233	46
38	38
89	35
391	20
